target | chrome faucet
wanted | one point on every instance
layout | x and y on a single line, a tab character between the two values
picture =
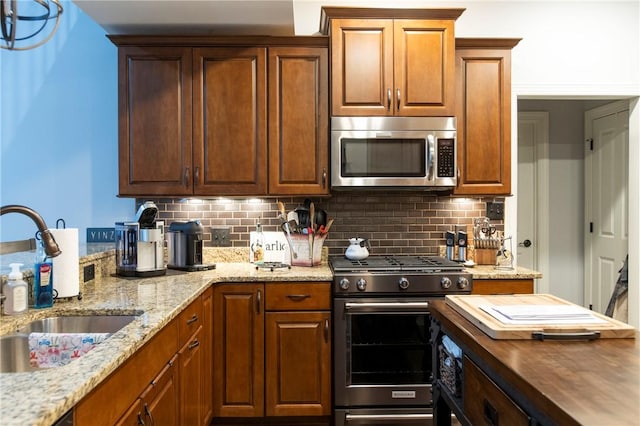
50	245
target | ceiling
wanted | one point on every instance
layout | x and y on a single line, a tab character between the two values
215	17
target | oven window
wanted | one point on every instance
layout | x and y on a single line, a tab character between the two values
389	349
370	157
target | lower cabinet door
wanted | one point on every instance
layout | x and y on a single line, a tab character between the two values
486	403
134	415
298	363
160	399
190	359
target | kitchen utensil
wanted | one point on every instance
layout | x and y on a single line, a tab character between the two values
293	217
357	249
312	217
303	216
282	214
287	232
329	223
321	217
292	225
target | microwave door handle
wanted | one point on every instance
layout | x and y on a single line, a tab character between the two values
430	157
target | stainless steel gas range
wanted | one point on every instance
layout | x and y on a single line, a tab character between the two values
382	351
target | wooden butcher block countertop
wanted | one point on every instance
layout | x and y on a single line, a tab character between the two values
535	316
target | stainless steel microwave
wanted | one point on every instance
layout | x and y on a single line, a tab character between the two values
393	152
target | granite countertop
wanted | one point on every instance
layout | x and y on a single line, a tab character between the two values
43	396
490	272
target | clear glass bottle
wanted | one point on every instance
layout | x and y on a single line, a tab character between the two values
257	248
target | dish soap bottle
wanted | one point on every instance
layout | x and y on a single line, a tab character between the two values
15	291
43	280
258	246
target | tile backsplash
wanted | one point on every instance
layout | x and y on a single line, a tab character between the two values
394	222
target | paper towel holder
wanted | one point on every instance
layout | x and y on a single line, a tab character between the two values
79	295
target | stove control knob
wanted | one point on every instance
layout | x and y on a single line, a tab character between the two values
403	283
361	284
445	282
463	283
344	284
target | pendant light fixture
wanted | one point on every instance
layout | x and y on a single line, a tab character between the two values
24	29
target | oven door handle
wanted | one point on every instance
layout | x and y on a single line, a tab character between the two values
394	417
401	306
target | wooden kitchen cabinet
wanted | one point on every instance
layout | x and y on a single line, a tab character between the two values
230	120
298	349
238	350
272	351
237	116
167	382
298	121
194	326
503	286
158	404
483	112
154	120
391	62
116	395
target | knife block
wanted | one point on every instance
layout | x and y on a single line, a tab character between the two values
485	256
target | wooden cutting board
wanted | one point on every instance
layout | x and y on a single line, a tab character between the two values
528	315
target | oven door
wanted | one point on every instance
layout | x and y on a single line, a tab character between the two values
382	352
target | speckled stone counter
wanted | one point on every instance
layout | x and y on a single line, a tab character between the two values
43	396
490	272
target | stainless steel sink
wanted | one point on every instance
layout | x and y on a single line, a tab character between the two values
14	348
14	354
78	324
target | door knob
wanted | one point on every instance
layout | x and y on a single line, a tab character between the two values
525	243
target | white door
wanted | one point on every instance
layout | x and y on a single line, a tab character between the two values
606	200
533	172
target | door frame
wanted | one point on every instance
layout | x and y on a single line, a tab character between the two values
540	198
589	116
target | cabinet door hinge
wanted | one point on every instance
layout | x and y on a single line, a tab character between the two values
590	141
591	227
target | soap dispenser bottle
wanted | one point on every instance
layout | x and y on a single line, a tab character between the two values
43	280
16	292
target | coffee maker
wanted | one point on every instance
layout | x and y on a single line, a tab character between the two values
140	244
184	244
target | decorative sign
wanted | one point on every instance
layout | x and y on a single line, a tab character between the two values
276	248
101	235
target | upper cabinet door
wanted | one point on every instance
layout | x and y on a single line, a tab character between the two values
361	67
154	108
230	121
386	67
298	121
483	72
424	67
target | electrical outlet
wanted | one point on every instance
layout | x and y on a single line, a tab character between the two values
220	237
495	211
89	272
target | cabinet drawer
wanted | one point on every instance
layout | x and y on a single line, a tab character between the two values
189	320
298	296
485	403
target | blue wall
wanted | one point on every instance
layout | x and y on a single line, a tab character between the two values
59	119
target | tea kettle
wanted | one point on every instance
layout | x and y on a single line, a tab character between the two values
358	249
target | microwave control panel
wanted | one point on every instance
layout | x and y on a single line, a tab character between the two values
446	157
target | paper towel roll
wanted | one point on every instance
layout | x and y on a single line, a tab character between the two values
66	267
